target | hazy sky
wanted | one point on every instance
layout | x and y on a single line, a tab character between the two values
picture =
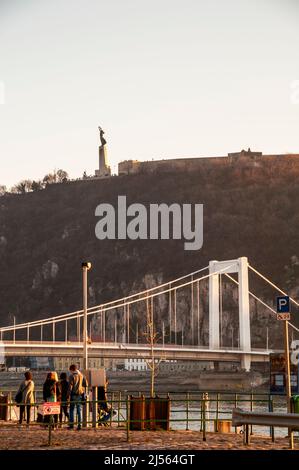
164	78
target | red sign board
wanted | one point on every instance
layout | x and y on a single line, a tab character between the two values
49	408
283	316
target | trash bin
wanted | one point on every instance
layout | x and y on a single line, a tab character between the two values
222	425
161	413
295	403
157	412
295	406
4	407
137	413
149	413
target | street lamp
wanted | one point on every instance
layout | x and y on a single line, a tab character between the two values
85	267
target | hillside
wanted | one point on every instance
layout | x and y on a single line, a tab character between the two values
44	236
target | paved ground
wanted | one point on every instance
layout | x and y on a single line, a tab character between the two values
14	437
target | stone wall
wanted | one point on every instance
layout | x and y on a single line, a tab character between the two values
243	158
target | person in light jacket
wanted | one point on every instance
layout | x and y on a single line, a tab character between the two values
76	392
27	390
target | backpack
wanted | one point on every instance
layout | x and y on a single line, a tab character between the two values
19	395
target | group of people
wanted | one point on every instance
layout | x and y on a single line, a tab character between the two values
69	392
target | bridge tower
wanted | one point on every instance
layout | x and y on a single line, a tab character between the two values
239	266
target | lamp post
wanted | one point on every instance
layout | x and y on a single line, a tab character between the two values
85	268
14	329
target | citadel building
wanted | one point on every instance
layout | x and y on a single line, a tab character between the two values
244	158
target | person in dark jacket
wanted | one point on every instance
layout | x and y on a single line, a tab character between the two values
105	410
49	388
51	392
64	387
102	397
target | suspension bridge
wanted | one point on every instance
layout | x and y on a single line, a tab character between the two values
133	326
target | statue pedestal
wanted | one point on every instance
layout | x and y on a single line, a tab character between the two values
104	168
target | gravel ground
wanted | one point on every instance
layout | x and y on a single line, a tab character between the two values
20	438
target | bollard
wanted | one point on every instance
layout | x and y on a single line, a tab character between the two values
251	409
246	435
270	406
201	416
10	403
187	412
236	405
206	406
85	418
204	438
217	411
50	430
94	407
128	419
118	409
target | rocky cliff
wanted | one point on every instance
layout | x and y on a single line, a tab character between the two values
250	212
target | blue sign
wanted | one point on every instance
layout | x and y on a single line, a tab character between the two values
283	304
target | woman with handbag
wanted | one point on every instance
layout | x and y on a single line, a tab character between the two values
25	397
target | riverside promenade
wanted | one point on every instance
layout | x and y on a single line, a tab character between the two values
35	438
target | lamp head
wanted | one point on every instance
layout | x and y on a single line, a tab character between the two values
86	265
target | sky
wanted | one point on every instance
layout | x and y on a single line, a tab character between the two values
164	78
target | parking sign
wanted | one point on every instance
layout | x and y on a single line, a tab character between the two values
283	304
283	307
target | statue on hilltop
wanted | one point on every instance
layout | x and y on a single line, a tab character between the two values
103	140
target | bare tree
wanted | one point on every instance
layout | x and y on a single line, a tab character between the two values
22	187
58	176
62	176
37	185
152	337
3	190
50	178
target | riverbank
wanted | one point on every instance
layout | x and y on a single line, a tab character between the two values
238	381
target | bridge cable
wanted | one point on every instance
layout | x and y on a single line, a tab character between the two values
76	315
95	307
273	285
261	301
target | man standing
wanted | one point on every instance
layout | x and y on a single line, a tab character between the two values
76	392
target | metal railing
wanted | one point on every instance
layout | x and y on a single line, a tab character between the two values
284	420
202	411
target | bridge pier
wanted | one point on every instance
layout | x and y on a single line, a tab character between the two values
239	266
214	341
246	362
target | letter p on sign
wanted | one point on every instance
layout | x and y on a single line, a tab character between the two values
283	304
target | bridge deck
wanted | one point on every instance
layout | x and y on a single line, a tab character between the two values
112	350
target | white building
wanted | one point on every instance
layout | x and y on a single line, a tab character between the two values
135	364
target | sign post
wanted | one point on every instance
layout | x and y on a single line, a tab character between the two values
49	409
283	313
86	266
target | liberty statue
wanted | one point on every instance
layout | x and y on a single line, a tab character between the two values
103	140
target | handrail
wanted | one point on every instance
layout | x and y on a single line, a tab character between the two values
283	420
